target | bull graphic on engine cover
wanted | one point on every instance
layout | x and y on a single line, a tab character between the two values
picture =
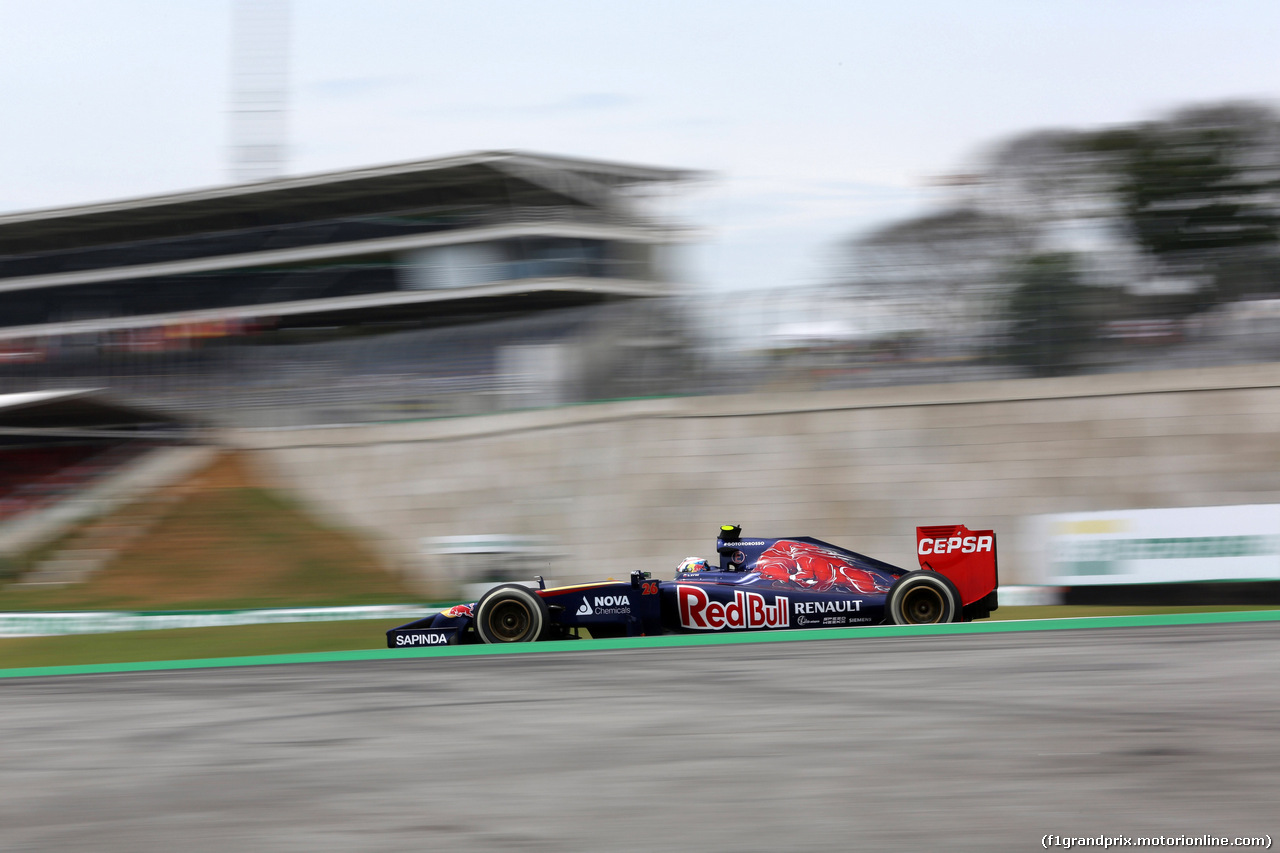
804	565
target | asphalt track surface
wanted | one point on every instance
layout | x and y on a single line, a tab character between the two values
968	742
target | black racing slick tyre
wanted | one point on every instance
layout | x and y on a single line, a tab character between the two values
923	598
511	614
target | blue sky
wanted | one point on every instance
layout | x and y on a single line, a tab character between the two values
818	119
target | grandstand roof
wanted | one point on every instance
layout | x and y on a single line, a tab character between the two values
450	180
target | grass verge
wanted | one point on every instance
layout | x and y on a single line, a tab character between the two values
187	643
1075	611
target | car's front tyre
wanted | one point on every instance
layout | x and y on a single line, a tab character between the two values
923	598
511	614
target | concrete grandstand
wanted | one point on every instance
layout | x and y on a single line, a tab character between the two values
477	282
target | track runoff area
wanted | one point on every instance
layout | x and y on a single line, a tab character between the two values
668	640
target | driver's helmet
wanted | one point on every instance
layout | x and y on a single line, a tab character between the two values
693	564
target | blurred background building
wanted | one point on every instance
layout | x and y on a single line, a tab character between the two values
458	285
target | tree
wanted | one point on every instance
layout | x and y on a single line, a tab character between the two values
1045	178
1052	317
941	275
1198	191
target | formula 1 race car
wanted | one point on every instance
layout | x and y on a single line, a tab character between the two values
759	584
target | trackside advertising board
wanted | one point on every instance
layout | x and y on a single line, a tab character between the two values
1161	545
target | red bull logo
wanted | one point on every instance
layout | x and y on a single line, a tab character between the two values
747	610
458	610
815	569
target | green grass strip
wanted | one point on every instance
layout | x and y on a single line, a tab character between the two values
665	641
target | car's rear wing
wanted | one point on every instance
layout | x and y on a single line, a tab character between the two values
967	557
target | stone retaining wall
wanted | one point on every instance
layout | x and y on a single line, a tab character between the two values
641	484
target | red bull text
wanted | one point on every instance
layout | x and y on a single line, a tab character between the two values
748	610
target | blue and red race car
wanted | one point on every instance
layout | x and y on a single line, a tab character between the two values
759	585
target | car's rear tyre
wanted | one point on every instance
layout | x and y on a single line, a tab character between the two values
923	598
511	614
